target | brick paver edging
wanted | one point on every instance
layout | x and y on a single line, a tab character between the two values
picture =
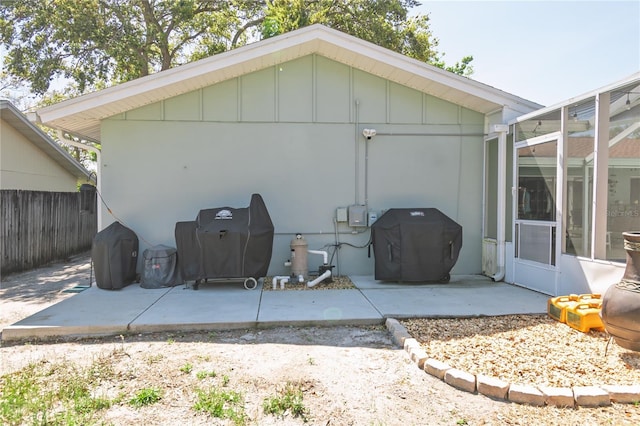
583	396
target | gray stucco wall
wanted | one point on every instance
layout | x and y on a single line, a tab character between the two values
293	133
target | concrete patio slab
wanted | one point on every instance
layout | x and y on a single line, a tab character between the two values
212	306
368	282
326	306
93	311
467	297
227	305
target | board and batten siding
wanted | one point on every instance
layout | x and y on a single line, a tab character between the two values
293	133
312	89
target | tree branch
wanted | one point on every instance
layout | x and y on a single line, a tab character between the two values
243	28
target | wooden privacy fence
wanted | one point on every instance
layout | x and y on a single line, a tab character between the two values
40	227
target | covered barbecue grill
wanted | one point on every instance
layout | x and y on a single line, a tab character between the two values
114	253
159	267
419	244
226	243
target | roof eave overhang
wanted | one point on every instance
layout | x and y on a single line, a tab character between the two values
82	115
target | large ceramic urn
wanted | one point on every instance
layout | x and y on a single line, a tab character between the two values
621	303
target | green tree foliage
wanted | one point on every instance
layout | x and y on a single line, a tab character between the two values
110	41
97	43
383	22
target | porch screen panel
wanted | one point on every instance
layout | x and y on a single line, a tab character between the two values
578	208
579	195
623	197
537	182
536	243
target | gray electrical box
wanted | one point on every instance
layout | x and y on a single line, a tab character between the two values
341	214
357	215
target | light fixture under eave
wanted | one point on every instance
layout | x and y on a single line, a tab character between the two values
628	103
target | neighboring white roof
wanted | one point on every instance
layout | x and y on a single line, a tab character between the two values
12	116
81	116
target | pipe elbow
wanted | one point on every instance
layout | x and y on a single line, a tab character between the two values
283	282
321	278
278	278
325	255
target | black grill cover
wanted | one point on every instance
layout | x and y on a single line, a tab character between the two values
226	242
419	244
159	267
114	253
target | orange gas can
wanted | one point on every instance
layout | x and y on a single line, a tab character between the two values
557	306
585	316
590	298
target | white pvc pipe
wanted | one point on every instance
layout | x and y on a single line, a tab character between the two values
321	278
323	253
283	282
277	278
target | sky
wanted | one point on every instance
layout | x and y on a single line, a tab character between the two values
543	51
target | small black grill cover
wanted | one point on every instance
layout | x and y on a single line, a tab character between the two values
114	253
419	244
226	242
160	267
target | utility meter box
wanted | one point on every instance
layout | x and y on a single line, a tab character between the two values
341	214
357	215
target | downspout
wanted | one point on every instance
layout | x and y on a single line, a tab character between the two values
69	141
501	130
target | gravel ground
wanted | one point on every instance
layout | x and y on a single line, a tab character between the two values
540	350
335	283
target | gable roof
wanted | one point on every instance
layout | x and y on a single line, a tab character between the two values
81	116
12	116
